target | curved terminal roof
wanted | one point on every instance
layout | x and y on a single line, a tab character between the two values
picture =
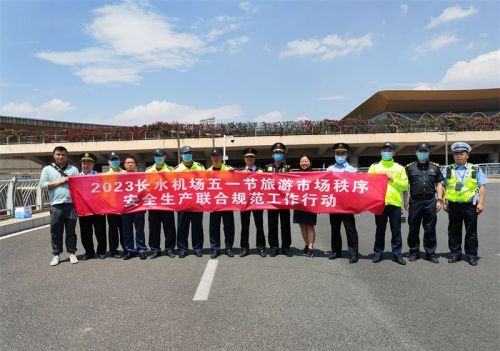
421	101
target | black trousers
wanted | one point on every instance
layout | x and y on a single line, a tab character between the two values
422	212
115	232
465	213
273	216
62	216
258	217
156	219
196	220
350	230
393	213
90	225
214	229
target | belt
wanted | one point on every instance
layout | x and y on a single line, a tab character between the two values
422	197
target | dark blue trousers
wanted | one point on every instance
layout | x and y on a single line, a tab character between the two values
115	232
184	219
215	218
393	213
156	219
129	221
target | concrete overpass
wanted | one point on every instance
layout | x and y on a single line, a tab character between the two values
365	147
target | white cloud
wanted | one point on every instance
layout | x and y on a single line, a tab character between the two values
274	116
451	13
248	8
236	44
403	8
482	71
47	109
169	111
436	43
302	118
332	98
328	47
131	39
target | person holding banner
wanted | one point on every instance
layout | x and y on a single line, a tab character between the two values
273	216
226	216
306	220
115	228
341	151
464	202
258	215
129	220
157	218
93	223
62	211
185	218
398	182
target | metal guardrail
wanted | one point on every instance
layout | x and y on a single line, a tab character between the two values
21	193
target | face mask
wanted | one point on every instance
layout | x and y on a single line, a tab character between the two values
422	156
187	157
115	164
278	157
386	155
340	159
159	159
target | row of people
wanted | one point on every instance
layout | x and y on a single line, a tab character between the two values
460	190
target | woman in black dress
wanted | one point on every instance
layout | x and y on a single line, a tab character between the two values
306	220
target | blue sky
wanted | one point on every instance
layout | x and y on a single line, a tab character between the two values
137	62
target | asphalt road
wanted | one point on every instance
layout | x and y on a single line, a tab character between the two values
254	303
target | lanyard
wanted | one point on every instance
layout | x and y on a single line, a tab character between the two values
462	176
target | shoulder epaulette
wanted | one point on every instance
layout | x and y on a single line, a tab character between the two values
375	163
409	164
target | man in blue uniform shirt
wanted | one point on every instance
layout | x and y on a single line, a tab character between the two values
336	219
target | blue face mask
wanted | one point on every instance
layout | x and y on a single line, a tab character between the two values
278	157
386	155
115	164
422	156
159	159
187	157
340	159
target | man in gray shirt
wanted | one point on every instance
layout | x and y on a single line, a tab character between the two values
62	211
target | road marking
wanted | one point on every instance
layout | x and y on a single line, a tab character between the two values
206	281
24	232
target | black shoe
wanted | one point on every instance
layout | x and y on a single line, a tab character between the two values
400	260
432	258
87	257
128	256
353	259
143	255
286	252
102	256
454	258
155	254
244	252
229	252
198	253
413	257
273	252
333	256
115	254
310	253
215	254
182	254
377	258
170	253
306	250
471	260
262	252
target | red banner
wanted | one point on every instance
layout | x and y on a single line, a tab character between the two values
320	192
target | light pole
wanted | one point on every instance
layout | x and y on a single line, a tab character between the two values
224	157
178	144
446	144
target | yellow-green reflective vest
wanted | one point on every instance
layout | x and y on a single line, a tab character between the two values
394	188
119	170
195	166
223	167
165	168
468	190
